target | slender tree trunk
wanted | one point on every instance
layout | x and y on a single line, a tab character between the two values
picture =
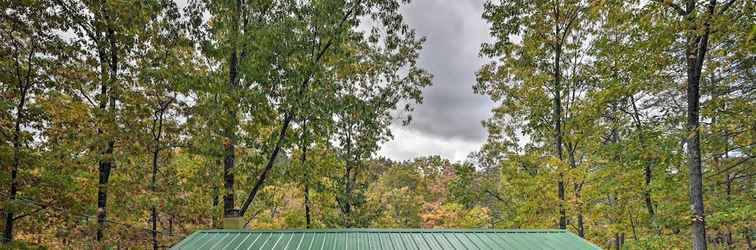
647	174
8	231
216	202
717	158
346	200
228	176
268	166
577	187
728	190
696	54
580	226
157	133
170	224
622	239
558	132
106	163
632	227
230	131
305	183
347	203
308	213
695	180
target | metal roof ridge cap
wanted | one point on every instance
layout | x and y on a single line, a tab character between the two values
384	230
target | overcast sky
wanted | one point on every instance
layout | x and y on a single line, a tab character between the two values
448	121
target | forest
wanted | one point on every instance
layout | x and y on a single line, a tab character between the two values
129	124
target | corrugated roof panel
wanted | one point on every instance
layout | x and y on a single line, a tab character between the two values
226	240
395	239
512	240
259	243
420	241
441	240
385	242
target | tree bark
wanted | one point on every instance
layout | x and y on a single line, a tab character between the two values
264	174
106	163
157	133
308	216
558	132
9	215
647	174
346	199
216	202
577	187
229	145
696	53
305	183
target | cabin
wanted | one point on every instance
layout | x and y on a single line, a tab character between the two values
395	239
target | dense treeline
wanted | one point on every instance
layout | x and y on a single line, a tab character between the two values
132	123
630	123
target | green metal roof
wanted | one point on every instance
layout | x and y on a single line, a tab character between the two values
394	239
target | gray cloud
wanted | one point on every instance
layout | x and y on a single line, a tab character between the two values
409	144
454	30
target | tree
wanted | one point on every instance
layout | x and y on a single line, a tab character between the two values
106	31
33	57
548	35
404	56
163	67
697	22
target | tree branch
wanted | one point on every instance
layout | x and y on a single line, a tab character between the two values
741	161
40	208
674	6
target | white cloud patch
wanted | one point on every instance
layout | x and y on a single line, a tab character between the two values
409	144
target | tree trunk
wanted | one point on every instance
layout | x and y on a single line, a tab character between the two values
170	224
346	200
577	187
268	166
157	133
8	230
230	131
308	216
228	177
106	163
303	159
216	202
580	227
695	180
558	133
728	190
696	53
647	174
